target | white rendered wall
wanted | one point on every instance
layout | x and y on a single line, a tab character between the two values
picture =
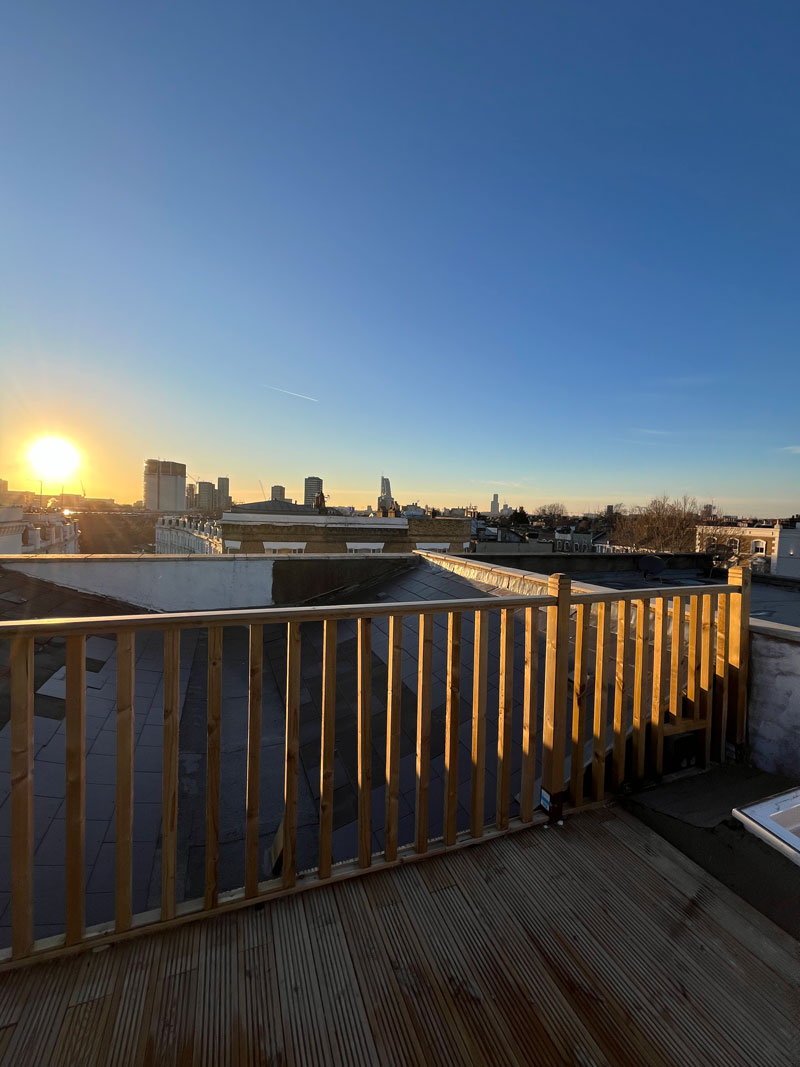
158	583
786	554
773	709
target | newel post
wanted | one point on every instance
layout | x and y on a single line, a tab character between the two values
738	653
554	728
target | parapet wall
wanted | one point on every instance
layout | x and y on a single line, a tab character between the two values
774	697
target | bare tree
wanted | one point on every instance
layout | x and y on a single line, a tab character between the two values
663	525
551	514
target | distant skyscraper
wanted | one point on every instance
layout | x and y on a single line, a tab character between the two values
224	494
277	492
495	505
313	485
191	496
164	485
385	499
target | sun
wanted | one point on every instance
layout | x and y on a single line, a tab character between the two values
53	459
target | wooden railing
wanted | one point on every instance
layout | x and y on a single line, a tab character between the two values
645	664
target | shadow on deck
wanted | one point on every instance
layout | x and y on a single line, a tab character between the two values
592	943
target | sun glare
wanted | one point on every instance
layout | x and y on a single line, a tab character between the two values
53	459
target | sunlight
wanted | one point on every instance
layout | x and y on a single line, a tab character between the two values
53	459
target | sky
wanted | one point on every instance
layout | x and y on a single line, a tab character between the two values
548	250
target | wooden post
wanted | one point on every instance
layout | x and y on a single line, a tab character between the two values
504	713
292	757
21	796
739	652
364	742
706	673
126	675
530	701
452	713
252	801
600	707
169	771
479	677
75	710
555	696
620	698
393	706
579	694
694	658
327	747
423	732
676	660
213	727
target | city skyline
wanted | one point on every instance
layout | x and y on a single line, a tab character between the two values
323	245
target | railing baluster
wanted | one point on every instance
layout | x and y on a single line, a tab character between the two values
252	800
169	773
292	755
326	753
480	670
721	687
739	642
620	696
21	796
579	701
452	715
706	674
694	658
556	681
393	698
364	742
213	727
530	700
504	712
676	660
423	731
75	839
659	678
600	709
123	855
639	681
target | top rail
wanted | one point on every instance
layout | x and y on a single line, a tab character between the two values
662	592
245	616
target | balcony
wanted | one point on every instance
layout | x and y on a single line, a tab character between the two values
387	830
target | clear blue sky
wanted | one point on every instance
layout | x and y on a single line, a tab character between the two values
545	249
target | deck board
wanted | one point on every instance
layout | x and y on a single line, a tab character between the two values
592	943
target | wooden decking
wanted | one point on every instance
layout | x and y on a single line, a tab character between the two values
591	943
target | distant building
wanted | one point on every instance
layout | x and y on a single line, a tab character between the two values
191	496
385	500
494	507
277	492
206	497
223	501
38	533
313	486
164	485
764	548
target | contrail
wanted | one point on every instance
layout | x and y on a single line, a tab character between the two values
290	393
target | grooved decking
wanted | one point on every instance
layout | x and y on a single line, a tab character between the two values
591	943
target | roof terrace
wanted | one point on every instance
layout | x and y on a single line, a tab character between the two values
378	830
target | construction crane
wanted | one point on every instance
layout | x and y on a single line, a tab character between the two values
263	491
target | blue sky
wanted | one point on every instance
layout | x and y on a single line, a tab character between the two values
549	250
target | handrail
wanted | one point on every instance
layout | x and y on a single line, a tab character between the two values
247	616
613	595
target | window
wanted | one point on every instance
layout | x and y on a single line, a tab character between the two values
758	548
733	543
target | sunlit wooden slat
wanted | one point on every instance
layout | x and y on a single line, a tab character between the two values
556	682
620	698
292	754
504	714
641	670
660	680
600	707
579	703
530	699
